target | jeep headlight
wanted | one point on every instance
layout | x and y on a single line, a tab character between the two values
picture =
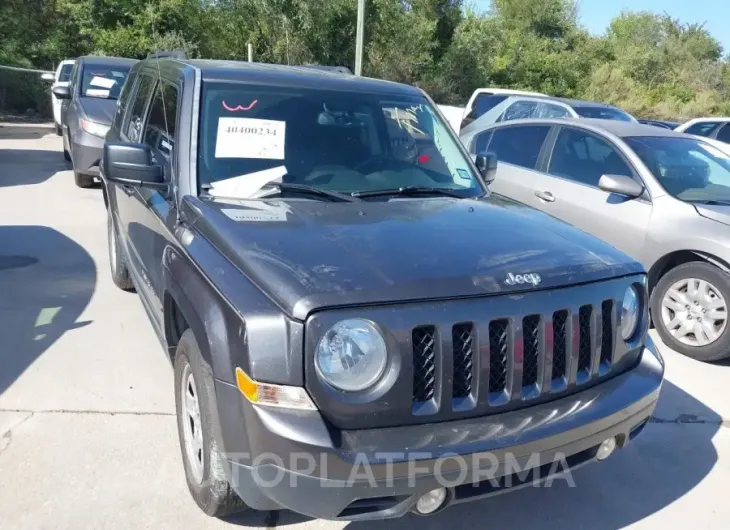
351	356
630	308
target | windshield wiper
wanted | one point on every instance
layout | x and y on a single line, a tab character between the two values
272	188
308	190
710	202
408	191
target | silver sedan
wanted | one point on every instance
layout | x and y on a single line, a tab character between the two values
660	196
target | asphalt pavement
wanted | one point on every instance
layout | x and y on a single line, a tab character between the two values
87	425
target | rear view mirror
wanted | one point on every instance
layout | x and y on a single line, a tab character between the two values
621	185
487	166
132	165
48	77
61	92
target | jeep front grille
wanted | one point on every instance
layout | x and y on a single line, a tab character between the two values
520	358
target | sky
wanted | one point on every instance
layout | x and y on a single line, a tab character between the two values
597	14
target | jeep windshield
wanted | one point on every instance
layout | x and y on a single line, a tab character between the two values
252	138
688	169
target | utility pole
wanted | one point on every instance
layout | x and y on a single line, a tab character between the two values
359	38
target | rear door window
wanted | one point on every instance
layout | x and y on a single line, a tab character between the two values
583	157
520	145
724	134
519	110
134	120
702	128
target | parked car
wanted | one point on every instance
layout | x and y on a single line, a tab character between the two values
671	125
715	128
89	104
484	99
307	247
523	107
658	195
60	78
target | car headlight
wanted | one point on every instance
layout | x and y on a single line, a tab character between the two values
97	129
630	309
351	356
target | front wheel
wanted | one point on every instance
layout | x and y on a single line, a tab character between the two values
689	308
117	264
196	412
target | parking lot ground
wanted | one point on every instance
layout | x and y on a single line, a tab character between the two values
87	426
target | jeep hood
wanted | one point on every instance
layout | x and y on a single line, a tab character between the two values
309	255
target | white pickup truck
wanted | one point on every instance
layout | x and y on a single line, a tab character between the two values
479	103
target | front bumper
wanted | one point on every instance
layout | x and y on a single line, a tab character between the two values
86	152
294	460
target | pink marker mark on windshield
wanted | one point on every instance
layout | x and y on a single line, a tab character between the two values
239	107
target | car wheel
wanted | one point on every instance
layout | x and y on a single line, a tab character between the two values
59	131
689	308
195	405
66	152
120	273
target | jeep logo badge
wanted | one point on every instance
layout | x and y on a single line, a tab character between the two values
515	279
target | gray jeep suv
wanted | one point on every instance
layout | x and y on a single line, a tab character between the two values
658	195
358	327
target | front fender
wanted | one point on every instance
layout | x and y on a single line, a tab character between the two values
234	322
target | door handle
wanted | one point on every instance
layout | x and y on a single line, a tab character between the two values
545	196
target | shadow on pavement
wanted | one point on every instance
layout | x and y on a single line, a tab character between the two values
20	167
46	281
667	460
25	131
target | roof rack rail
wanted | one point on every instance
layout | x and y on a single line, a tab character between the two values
340	69
173	54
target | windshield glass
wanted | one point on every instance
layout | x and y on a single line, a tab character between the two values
603	113
332	140
105	82
688	169
65	73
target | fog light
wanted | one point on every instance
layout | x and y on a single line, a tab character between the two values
431	501
606	448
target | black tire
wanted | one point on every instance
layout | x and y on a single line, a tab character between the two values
212	493
83	181
117	264
715	351
59	131
66	155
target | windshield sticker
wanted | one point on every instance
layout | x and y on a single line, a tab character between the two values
97	93
120	75
262	213
229	108
245	186
103	82
250	138
464	174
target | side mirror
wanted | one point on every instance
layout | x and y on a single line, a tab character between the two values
48	77
487	166
132	165
61	92
621	185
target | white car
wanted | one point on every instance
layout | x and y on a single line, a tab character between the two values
60	78
482	101
713	128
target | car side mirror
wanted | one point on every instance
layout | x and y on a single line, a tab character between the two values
621	185
48	77
131	164
61	92
487	166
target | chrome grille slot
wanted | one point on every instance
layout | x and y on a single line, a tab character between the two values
532	353
498	344
462	336
584	342
424	363
560	343
607	325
